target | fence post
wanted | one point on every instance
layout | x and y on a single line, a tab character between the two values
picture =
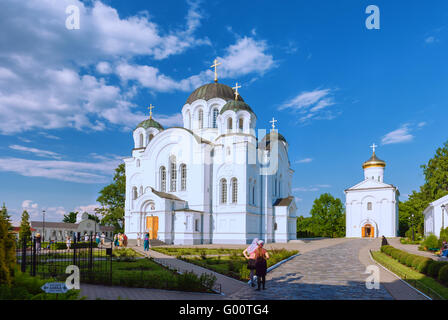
74	249
23	265
33	266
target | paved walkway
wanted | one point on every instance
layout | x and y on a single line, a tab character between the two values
413	248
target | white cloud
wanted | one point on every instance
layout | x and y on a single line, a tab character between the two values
37	152
311	104
431	39
104	67
311	188
306	160
399	135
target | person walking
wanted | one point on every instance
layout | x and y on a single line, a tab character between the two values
384	241
103	238
120	240
97	239
38	242
249	254
125	240
146	243
261	255
68	243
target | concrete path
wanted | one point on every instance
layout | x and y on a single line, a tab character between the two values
413	248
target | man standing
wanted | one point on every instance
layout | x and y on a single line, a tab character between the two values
138	239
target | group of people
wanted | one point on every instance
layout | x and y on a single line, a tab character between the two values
99	239
256	257
444	250
121	240
146	243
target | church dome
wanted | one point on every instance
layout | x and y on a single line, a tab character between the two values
268	137
235	106
150	123
374	161
213	90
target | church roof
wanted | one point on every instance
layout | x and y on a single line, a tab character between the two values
213	90
283	202
150	123
165	195
236	105
374	161
267	138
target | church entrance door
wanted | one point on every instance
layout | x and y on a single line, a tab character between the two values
152	226
368	231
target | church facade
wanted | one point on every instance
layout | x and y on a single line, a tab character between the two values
211	180
372	205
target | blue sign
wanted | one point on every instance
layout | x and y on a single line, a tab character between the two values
55	287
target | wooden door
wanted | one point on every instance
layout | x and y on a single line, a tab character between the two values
152	226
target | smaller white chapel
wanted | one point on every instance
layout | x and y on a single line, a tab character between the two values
372	205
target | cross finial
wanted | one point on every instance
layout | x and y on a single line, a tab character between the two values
273	121
236	87
150	110
373	146
215	65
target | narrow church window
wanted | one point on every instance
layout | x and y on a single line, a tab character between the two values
241	124
138	163
183	177
253	194
141	190
223	191
141	140
134	193
229	124
188	120
369	206
234	190
173	174
162	179
215	118
150	137
196	225
201	119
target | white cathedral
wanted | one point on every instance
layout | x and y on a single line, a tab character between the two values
372	205
211	180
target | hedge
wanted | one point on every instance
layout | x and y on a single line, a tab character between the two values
425	265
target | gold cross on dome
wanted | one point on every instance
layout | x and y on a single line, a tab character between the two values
373	146
236	87
215	65
273	121
150	110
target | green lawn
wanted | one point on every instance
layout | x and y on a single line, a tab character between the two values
422	282
229	262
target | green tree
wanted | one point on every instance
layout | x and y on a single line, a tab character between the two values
93	217
112	199
25	227
328	216
435	187
306	228
7	248
70	218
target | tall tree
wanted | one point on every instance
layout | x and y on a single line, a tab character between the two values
7	248
70	218
25	227
112	199
328	216
435	187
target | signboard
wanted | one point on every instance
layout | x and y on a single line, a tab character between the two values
54	287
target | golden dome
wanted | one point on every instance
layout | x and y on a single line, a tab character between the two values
373	162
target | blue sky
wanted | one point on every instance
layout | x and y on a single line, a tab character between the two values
69	99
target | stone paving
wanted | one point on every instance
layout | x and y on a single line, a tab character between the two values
329	273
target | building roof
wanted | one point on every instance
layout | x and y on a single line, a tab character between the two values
150	123
165	195
374	161
64	225
236	105
283	202
267	138
213	90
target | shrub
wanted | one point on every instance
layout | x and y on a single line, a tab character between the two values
189	281
416	261
410	259
207	280
443	235
434	268
443	274
431	242
402	257
424	265
124	254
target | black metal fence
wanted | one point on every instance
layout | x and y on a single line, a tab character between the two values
51	259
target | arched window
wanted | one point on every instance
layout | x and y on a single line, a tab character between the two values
201	119
223	190
141	190
253	194
229	124
183	177
241	124
369	206
215	118
188	124
173	174
137	163
162	179
234	190
141	140
150	137
134	193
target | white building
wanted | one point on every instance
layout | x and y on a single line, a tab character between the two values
436	216
372	205
203	182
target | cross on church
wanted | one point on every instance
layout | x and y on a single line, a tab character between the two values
150	110
373	147
236	87
215	65
273	121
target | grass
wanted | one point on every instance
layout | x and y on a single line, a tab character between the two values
426	284
229	262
